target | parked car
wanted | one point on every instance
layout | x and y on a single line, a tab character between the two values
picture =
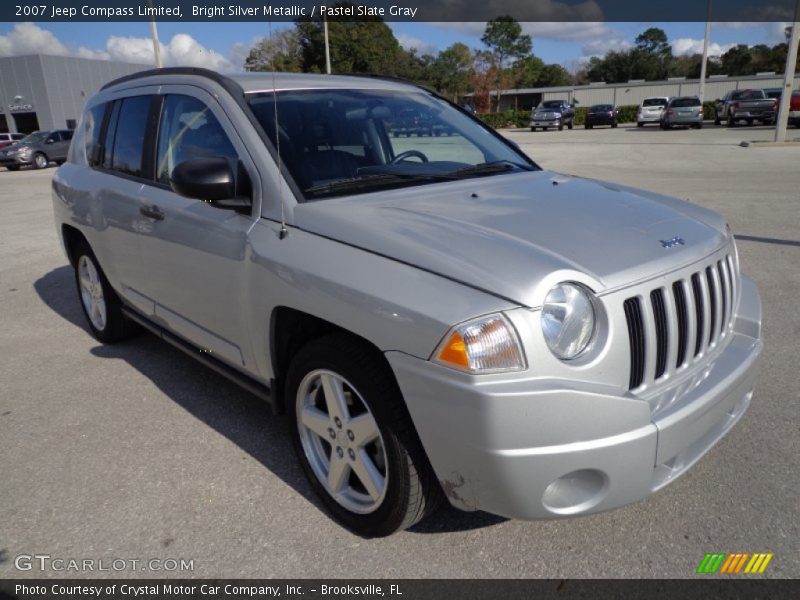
552	113
650	110
794	109
37	149
683	111
601	114
774	93
6	139
464	326
745	105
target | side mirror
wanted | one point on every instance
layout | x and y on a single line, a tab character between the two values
208	179
49	141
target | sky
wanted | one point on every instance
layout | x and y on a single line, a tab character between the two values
223	46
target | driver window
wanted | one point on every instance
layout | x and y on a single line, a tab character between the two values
189	130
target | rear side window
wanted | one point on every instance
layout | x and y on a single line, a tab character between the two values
189	130
131	127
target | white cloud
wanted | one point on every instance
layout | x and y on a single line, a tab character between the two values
28	38
689	46
411	43
181	50
600	46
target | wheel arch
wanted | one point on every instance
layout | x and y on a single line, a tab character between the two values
291	329
71	237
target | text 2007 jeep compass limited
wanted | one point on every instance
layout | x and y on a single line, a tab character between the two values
438	316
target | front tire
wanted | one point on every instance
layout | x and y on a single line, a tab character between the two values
13	168
101	305
355	439
39	161
570	125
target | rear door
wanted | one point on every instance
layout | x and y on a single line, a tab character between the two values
195	253
117	153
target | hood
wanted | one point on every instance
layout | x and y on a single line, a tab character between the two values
509	234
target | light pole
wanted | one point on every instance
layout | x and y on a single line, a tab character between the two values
327	46
704	62
154	35
788	78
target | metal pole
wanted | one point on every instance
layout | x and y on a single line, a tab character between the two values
154	35
327	46
788	78
705	55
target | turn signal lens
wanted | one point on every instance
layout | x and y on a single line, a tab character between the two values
485	345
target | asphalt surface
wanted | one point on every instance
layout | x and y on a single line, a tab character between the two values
136	452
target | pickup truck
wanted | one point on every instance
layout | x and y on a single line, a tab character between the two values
794	109
746	105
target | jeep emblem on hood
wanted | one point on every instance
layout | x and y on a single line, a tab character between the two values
672	242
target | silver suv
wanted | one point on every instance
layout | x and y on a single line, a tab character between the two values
438	317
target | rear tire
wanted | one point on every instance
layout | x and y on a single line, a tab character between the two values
717	122
561	127
533	129
613	125
100	303
382	477
640	124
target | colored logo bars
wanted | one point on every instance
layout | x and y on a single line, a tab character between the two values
738	562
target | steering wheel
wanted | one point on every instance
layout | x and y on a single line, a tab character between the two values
408	154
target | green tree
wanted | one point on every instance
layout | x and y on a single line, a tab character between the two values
280	52
506	42
527	71
450	71
554	76
654	41
737	61
364	46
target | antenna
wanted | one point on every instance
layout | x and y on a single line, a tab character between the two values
283	231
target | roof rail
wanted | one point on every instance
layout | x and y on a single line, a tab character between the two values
200	72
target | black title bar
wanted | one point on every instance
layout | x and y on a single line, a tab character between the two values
401	589
397	10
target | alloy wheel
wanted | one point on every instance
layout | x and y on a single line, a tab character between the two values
341	440
92	297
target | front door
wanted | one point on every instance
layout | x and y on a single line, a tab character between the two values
194	253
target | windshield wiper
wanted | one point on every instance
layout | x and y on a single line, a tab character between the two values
376	179
489	168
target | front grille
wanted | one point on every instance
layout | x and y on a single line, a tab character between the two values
673	326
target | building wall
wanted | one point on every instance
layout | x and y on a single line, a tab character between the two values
622	94
57	87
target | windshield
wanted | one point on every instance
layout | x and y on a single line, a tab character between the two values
685	102
336	142
655	102
33	138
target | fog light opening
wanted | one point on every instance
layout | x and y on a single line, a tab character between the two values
576	492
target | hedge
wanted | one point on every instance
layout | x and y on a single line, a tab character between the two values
521	118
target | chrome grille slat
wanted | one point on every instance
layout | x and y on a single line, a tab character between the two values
715	297
691	322
661	331
676	323
726	294
650	341
681	323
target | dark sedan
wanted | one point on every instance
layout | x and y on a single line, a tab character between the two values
601	114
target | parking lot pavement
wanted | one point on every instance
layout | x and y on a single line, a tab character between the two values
134	451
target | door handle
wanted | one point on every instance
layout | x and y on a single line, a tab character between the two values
152	212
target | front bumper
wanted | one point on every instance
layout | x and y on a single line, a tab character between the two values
533	449
546	122
18	160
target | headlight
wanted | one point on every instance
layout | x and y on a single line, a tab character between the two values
568	320
484	345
